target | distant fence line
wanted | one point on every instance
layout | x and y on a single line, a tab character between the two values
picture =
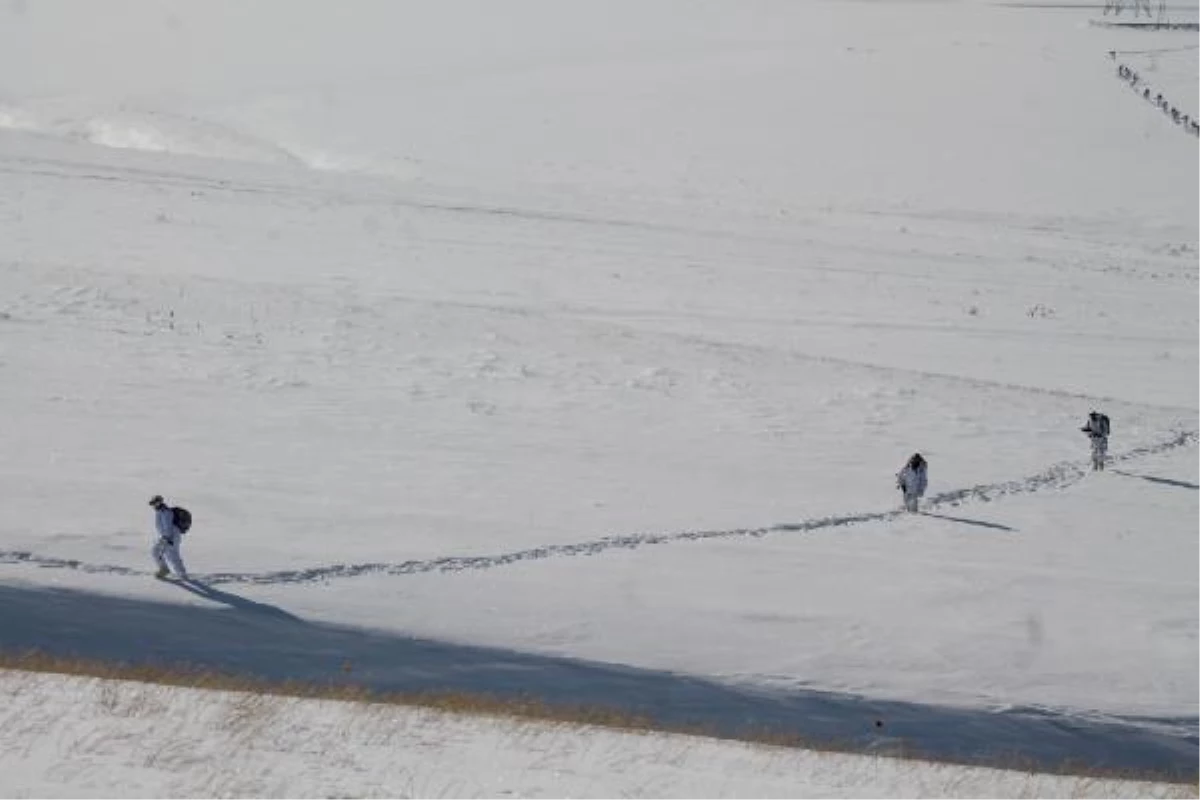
1135	82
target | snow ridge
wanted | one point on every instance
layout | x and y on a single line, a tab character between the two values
1058	476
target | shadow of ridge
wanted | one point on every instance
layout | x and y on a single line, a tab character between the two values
201	589
1153	479
980	523
94	626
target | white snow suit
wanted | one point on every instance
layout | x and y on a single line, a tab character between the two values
166	549
1097	431
913	482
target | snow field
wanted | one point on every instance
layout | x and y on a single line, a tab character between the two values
595	337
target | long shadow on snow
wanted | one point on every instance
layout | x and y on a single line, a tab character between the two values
1163	481
965	521
201	589
94	626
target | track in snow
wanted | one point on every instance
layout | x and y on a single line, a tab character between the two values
1058	476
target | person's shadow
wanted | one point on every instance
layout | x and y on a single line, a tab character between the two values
201	589
994	525
1163	481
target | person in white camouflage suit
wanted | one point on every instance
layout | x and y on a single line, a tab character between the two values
170	527
1097	429
912	480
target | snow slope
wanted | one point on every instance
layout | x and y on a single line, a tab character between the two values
77	736
594	335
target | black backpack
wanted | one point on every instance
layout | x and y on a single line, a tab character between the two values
182	519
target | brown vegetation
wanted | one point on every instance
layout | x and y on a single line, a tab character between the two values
520	709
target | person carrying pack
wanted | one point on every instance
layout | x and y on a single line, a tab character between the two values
1098	429
912	480
171	523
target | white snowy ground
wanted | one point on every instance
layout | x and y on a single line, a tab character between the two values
537	333
97	736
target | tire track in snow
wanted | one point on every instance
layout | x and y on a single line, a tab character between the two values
1058	476
65	169
950	378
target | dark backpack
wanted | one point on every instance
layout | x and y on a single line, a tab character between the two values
182	519
1105	426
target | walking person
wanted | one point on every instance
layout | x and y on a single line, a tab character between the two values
171	524
1098	429
912	480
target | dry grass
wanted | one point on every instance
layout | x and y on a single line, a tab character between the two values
252	711
192	677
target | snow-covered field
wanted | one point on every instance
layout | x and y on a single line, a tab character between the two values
570	349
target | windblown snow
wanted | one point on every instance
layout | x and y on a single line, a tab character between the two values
570	349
